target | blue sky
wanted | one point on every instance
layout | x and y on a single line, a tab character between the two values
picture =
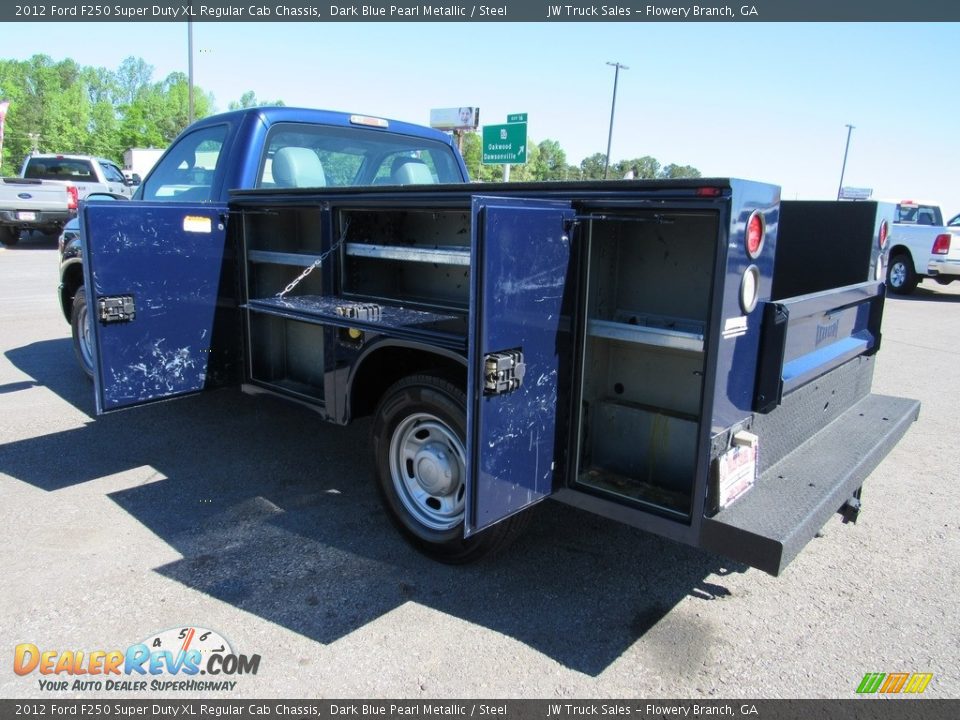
761	101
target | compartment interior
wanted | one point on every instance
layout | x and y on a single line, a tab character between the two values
288	354
405	273
419	256
647	302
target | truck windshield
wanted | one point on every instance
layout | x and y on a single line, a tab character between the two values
52	168
324	156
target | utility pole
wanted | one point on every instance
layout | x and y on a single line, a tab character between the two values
616	75
843	168
190	68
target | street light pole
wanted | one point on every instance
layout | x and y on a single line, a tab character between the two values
616	75
843	169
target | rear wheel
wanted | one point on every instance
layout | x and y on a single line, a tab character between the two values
80	327
418	441
901	277
9	236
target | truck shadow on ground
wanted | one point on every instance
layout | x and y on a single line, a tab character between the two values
35	241
931	293
276	513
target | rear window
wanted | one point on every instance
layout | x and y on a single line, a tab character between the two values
59	169
915	214
324	156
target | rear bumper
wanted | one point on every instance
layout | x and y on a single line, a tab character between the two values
795	497
42	219
949	268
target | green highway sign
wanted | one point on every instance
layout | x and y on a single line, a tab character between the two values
518	117
505	144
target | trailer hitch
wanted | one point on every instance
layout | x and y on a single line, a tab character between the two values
850	510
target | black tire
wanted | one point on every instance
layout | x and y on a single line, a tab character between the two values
901	277
418	440
9	236
80	329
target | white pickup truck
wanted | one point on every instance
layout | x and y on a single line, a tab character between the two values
46	195
921	246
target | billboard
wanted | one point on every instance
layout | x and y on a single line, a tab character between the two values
458	118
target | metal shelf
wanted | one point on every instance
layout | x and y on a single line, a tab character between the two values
281	258
441	255
646	335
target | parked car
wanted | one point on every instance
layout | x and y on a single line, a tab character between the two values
87	173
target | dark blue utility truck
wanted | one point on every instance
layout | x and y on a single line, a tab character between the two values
670	354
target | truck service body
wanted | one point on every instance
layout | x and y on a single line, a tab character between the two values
663	353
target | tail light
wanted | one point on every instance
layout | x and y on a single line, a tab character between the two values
73	198
749	289
755	235
941	246
882	235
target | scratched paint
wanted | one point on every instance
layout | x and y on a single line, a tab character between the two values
163	370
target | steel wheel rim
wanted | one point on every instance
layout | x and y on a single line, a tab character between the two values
428	471
86	346
898	273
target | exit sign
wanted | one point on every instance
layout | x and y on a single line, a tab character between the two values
517	118
505	144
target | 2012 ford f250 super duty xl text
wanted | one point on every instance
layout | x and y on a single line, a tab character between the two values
669	354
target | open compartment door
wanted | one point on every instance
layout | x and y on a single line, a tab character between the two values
154	274
518	361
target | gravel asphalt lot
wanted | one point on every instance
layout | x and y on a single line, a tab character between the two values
255	519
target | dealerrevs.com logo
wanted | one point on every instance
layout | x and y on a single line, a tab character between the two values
190	659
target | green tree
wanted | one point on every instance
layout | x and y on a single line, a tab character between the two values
63	107
53	108
550	162
133	77
249	100
642	168
679	171
472	155
591	168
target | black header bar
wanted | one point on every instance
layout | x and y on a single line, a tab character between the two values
306	11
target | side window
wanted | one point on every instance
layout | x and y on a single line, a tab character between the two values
187	170
111	173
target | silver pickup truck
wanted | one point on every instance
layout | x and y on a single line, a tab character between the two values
49	189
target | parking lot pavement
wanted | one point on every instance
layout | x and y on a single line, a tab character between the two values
252	518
